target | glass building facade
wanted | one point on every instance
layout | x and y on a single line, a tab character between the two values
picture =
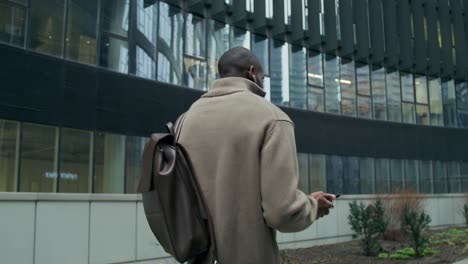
162	43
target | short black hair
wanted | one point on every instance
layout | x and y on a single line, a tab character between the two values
236	62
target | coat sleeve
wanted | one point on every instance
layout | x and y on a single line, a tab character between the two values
285	208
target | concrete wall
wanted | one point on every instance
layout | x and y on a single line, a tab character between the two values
93	228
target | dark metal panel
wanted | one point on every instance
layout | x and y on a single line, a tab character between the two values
279	28
330	26
313	33
30	86
376	31
219	10
297	18
433	66
80	96
459	28
420	48
124	110
446	32
129	105
323	134
391	36
239	13
346	26
259	24
197	6
404	35
362	30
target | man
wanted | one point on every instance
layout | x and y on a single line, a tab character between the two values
243	153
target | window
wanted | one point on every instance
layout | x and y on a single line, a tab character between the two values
448	99
409	113
421	89
115	16
75	161
315	100
303	160
318	173
260	49
464	175
426	182
397	175
114	54
80	42
12	24
133	162
462	104
332	85
145	66
195	53
315	68
454	177
287	11
422	114
250	6
46	30
334	174
351	175
440	177
297	77
379	104
382	176
114	44
195	36
239	38
393	95
147	20
195	73
412	173
269	8
38	158
279	70
348	88
436	106
363	79
267	88
363	88
407	87
364	107
109	163
170	49
366	175
218	43
407	90
9	151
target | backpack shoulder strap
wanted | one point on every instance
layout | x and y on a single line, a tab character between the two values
178	126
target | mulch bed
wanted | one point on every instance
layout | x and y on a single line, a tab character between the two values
352	252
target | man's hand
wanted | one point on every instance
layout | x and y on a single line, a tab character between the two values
324	201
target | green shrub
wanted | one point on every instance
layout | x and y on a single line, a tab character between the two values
368	224
398	256
410	252
415	223
429	251
383	255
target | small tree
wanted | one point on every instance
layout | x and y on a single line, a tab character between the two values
369	224
415	223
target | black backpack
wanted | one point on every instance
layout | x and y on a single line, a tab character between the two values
173	204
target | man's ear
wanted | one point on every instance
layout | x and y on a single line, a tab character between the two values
252	73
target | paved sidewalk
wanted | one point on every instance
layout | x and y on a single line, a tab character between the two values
464	261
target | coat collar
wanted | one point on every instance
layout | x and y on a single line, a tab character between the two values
230	85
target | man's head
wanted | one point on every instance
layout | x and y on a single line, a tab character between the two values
241	62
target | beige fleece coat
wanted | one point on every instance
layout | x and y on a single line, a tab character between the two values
243	152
